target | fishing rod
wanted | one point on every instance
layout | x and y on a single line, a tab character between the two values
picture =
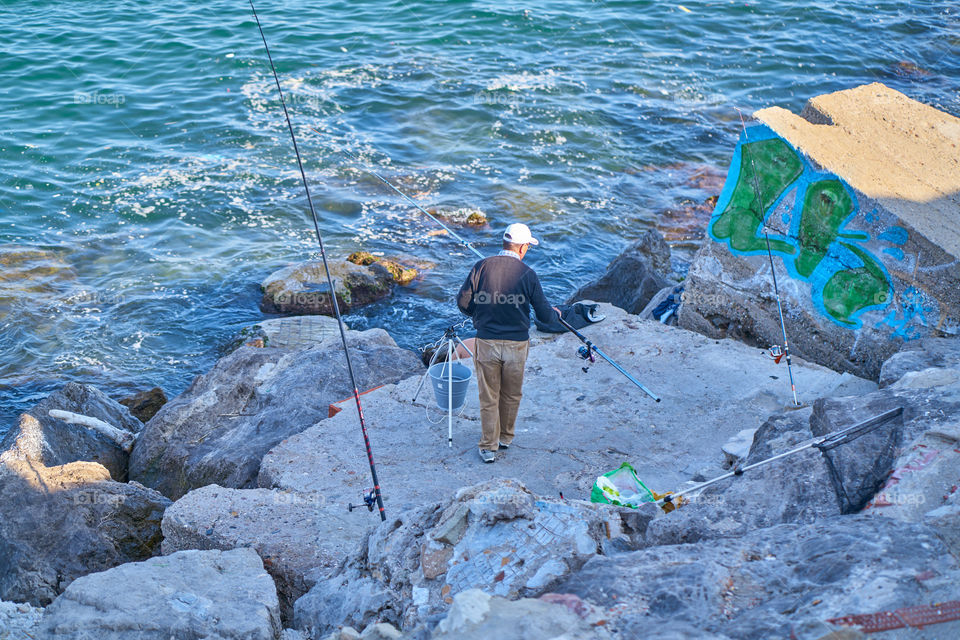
773	271
586	352
823	443
333	296
410	200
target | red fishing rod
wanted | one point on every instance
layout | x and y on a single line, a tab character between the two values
368	498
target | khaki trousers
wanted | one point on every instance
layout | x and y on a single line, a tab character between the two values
499	365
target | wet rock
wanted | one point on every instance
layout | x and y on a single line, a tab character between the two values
219	429
303	289
53	442
60	523
190	595
402	274
919	355
633	278
495	536
283	527
845	245
145	404
770	583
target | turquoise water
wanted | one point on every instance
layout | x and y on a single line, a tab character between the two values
142	150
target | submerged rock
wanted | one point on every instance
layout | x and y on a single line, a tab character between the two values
633	278
861	221
303	289
190	595
53	442
59	523
219	429
401	273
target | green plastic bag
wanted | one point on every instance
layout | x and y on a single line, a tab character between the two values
621	487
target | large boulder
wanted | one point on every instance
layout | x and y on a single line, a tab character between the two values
190	595
302	288
219	429
634	277
495	536
60	523
861	222
779	582
287	530
918	355
53	442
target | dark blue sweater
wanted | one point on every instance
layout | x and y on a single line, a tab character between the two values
498	295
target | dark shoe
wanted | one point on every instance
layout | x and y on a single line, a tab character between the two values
504	445
487	456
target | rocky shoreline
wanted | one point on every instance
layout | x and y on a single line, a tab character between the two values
223	512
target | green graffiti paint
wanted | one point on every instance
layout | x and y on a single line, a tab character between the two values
777	166
850	290
825	207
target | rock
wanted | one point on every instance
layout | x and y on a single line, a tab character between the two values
633	278
283	527
509	544
924	478
19	621
401	273
291	332
60	523
219	429
474	615
145	404
850	220
52	442
945	521
381	631
189	595
30	274
736	448
919	355
302	288
778	582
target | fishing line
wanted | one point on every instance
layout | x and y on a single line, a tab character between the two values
773	271
409	199
326	268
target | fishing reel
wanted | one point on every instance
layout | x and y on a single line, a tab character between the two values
776	352
586	353
369	499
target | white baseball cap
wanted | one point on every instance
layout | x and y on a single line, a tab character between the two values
519	233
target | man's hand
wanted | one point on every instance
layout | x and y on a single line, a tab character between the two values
559	315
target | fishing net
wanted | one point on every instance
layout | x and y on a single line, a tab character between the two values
621	487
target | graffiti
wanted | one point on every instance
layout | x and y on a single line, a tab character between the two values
912	314
773	193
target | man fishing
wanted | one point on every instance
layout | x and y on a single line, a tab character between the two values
498	295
